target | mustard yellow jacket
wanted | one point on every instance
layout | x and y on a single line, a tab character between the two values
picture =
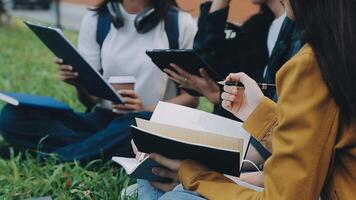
312	154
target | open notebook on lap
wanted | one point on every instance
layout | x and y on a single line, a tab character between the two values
180	132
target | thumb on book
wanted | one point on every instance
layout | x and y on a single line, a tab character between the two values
171	164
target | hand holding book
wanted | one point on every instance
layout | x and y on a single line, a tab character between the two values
66	73
202	84
181	133
168	169
241	101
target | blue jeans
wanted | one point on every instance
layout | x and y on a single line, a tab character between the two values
71	136
147	192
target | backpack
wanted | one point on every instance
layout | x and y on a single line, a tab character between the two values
171	27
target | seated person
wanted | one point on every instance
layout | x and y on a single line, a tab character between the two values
313	124
102	133
242	53
260	47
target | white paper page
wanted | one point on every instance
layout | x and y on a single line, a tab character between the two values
129	164
181	116
9	100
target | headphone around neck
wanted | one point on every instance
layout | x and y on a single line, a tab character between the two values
144	21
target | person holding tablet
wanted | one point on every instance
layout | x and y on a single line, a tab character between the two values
312	125
113	39
266	39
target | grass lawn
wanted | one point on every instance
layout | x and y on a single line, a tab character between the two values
26	66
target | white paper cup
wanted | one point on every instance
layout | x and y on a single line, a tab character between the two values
122	82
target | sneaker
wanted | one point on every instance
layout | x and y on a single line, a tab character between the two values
129	192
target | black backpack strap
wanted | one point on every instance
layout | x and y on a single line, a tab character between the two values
172	27
103	26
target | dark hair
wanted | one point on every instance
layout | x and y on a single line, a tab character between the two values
162	6
329	26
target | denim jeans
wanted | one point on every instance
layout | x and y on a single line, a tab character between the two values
71	136
147	192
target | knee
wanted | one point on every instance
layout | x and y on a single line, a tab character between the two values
8	116
173	195
180	194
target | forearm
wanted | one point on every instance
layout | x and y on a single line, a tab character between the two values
262	120
211	185
85	98
211	28
213	96
185	99
219	4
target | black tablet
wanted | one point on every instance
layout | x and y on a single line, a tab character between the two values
187	59
90	78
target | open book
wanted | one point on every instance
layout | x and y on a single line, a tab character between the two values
180	132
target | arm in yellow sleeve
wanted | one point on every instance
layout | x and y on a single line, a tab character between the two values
260	125
303	138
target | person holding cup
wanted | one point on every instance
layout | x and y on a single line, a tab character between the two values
125	86
103	131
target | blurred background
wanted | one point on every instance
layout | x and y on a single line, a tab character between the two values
68	13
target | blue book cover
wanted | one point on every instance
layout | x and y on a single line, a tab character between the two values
40	102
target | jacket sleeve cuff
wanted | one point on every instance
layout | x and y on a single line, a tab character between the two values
262	120
189	170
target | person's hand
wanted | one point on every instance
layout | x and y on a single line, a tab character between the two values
66	73
241	101
133	103
170	171
205	85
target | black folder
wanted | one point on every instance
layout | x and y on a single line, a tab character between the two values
187	59
90	78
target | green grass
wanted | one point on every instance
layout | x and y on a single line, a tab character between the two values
27	66
25	178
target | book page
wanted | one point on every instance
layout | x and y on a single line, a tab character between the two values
189	118
129	164
8	99
191	136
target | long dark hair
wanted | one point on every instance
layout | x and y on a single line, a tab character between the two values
162	6
330	28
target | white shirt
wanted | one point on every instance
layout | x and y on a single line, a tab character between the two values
123	53
273	34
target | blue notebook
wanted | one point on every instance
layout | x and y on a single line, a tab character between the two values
40	102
